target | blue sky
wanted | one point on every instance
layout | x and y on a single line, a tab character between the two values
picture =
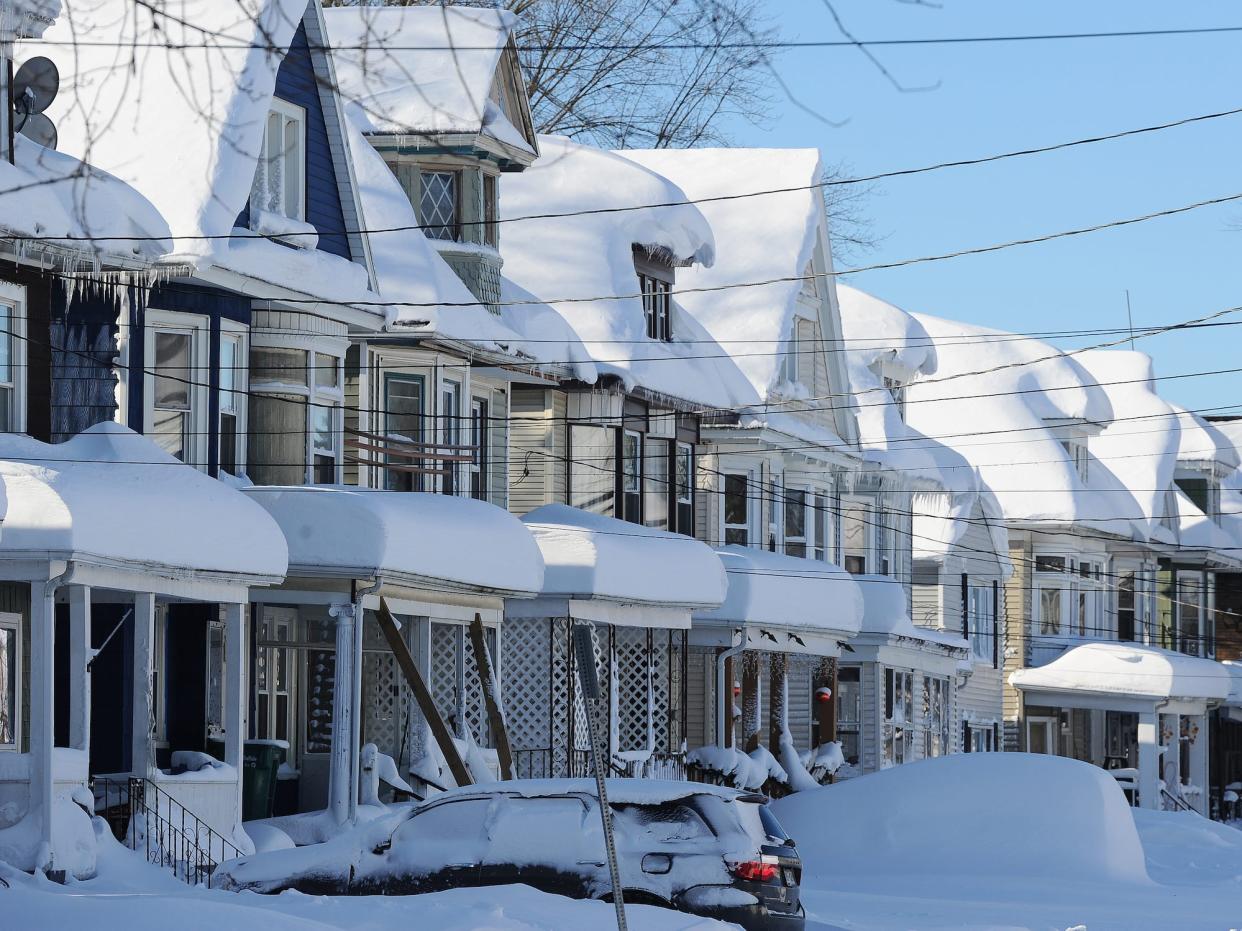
993	98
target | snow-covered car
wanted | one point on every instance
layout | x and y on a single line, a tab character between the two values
710	851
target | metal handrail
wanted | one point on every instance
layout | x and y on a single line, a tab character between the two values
148	820
1179	803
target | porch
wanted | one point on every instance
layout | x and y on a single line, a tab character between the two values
1156	700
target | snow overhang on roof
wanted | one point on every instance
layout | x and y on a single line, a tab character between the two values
1234	669
411	538
112	498
1129	671
26	19
415	70
603	566
791	603
886	615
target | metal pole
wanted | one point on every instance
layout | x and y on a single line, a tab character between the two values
588	677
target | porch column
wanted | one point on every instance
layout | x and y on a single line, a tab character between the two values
1199	761
42	713
80	655
235	692
142	752
1149	759
778	714
750	701
342	791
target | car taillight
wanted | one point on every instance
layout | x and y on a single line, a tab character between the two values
755	871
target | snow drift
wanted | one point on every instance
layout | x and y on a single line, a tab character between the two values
977	815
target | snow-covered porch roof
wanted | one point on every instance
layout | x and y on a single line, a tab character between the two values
783	603
615	572
130	516
408	540
889	636
1127	677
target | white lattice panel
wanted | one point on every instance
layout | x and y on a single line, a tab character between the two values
443	685
661	689
632	661
476	707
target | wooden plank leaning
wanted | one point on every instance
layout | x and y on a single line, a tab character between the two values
488	685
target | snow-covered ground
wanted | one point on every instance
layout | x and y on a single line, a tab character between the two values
1008	841
972	841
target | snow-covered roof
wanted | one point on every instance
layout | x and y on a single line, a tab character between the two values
1129	670
1140	445
183	126
1234	668
998	399
429	539
111	496
885	613
1204	444
775	590
591	556
423	69
583	266
26	18
757	239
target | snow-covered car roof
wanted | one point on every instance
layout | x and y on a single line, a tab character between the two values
620	791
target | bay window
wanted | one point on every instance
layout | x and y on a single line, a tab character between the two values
175	385
12	358
1189	610
297	394
795	521
231	427
480	454
439	204
450	433
631	476
404	409
684	468
981	620
593	459
656	483
1127	606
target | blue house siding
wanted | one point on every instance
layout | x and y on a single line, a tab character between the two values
296	83
82	339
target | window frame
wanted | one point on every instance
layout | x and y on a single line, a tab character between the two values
798	544
981	625
867	525
657	300
454	229
602	481
13	622
683	504
197	389
13	296
491	210
449	400
630	499
318	398
288	113
392	477
479	466
898	685
744	530
235	334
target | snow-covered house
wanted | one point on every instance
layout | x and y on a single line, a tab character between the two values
620	439
780	472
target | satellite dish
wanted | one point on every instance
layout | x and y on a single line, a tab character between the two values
38	128
35	85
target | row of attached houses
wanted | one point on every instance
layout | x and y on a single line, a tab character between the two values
336	399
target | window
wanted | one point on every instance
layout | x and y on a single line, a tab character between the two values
450	431
273	675
631	476
936	734
899	719
10	681
737	509
656	484
480	454
325	409
1076	449
980	738
897	390
491	210
232	399
1127	606
849	711
789	359
12	359
856	537
1204	493
657	295
884	542
592	468
404	407
172	411
684	467
1189	609
1050	598
795	522
215	678
981	620
438	204
314	379
279	183
821	518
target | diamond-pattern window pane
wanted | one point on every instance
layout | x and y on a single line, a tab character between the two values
438	204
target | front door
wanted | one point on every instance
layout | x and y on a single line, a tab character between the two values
1041	735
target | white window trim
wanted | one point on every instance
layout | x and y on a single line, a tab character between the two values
15	296
748	476
197	327
297	115
9	621
230	329
870	509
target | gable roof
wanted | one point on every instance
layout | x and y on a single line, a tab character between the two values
428	70
581	263
183	126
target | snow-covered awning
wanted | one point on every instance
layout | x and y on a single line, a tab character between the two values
1234	669
1126	671
112	499
786	604
611	571
889	635
406	538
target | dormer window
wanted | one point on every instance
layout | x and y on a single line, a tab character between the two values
657	296
1203	489
439	204
897	391
789	361
1076	449
280	177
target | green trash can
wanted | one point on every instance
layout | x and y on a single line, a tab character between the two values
259	763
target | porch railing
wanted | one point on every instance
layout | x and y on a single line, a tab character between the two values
538	764
151	822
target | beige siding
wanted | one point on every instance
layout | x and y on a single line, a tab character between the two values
1017	615
498	436
871	685
700	697
707	498
558	485
530	442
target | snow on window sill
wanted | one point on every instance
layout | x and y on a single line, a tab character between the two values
291	232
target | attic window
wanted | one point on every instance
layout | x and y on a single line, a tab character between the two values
897	390
1076	449
279	179
789	360
438	204
657	296
1203	490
